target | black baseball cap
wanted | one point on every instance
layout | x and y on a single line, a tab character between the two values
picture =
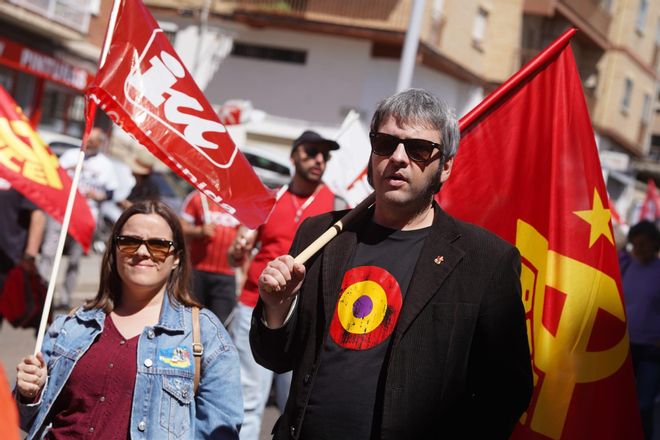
310	137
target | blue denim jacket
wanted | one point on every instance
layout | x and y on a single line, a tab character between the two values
164	403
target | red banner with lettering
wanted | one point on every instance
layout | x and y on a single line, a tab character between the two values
528	170
36	63
144	87
34	171
650	209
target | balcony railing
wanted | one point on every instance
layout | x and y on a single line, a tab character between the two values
590	13
71	13
391	15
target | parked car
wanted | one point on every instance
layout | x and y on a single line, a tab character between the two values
59	143
273	169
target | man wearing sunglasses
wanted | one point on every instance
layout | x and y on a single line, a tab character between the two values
306	195
409	324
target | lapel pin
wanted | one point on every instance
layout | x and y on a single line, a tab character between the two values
439	259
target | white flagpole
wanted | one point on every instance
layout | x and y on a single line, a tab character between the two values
205	209
58	254
69	203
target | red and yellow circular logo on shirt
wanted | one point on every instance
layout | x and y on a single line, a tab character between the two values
368	308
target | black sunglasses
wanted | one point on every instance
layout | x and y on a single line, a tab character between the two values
418	150
158	248
312	151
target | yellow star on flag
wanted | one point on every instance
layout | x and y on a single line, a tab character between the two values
599	219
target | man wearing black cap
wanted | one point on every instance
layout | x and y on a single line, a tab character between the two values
304	196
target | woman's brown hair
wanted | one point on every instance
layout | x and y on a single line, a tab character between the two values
178	284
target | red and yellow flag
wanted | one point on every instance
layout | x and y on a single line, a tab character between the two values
34	171
528	170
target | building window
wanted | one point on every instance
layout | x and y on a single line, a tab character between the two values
646	109
479	28
627	94
7	78
269	53
436	9
641	15
606	5
62	110
95	7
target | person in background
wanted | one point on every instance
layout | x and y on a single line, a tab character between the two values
97	183
210	231
145	188
22	228
410	323
306	195
122	366
640	276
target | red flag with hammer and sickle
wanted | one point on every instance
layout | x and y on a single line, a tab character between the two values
528	170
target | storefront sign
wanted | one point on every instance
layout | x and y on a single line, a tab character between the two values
36	63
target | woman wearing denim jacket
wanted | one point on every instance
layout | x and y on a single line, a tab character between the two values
122	365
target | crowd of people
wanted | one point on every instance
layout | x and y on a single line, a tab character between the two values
380	334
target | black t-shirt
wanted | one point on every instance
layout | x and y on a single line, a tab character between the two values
342	402
14	224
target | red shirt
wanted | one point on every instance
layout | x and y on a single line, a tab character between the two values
96	400
276	235
209	254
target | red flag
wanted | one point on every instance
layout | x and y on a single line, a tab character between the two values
8	413
145	88
528	170
651	206
33	170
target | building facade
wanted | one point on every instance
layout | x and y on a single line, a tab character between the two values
618	54
48	55
316	60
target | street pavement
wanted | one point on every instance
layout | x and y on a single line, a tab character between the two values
17	343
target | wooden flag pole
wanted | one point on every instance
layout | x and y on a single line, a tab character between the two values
335	229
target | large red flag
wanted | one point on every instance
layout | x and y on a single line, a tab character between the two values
528	170
33	170
145	88
650	209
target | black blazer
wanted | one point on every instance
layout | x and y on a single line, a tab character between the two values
458	366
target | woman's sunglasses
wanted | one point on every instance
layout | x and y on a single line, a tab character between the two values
418	150
158	248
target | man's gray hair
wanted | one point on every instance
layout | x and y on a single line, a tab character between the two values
419	107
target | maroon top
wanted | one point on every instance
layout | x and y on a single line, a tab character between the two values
96	399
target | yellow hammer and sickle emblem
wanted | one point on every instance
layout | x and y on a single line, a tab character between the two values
32	160
563	357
